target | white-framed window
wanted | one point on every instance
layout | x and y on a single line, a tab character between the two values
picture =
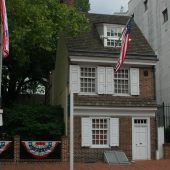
165	15
121	82
140	121
87	79
113	36
92	80
99	132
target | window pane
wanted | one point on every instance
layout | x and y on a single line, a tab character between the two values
88	79
113	34
121	82
99	131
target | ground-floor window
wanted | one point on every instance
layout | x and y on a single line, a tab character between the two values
99	132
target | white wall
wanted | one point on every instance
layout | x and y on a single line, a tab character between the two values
158	35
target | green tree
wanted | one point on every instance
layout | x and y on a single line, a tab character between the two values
82	5
33	27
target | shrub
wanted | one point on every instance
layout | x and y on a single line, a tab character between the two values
34	122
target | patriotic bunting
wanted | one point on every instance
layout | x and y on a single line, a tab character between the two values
40	149
4	145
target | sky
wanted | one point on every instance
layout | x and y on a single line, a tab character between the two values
108	6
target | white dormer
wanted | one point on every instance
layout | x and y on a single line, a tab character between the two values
110	34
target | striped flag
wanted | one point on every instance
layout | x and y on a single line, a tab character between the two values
125	44
4	31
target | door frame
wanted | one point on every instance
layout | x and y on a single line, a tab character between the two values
149	137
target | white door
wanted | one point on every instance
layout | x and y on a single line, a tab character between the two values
140	139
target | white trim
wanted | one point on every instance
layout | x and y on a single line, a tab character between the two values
99	146
105	60
114	111
87	94
116	108
1	111
148	134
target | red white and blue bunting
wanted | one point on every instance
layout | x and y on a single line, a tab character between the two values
4	145
40	149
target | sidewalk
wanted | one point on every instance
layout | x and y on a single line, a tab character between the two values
138	165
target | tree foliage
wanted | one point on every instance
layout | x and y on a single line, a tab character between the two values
33	27
33	122
82	5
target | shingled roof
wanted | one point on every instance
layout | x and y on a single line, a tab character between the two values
90	42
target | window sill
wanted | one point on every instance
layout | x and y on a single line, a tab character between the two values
99	146
121	95
87	94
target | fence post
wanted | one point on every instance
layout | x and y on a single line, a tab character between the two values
64	149
16	148
163	111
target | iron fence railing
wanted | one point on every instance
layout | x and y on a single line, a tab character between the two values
163	115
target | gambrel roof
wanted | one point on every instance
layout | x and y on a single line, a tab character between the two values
89	43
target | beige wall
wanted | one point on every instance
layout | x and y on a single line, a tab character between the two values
59	78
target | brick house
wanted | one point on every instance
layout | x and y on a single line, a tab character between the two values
111	110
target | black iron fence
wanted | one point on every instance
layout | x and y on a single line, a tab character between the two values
163	115
163	120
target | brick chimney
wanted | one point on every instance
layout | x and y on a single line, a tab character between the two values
69	3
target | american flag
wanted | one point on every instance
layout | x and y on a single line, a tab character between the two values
125	44
5	35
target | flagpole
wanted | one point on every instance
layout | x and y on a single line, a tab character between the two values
1	110
71	130
131	17
1	68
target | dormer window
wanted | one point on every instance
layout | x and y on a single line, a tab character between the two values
113	36
110	34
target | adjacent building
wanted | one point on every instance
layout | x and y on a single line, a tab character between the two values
152	17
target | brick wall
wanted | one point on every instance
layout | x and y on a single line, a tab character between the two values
147	87
64	149
153	137
70	3
17	148
166	150
146	97
126	135
93	154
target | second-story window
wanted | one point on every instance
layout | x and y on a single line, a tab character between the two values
165	15
113	35
88	79
121	82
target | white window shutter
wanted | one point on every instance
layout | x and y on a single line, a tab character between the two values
101	80
86	132
75	78
134	81
109	80
114	131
